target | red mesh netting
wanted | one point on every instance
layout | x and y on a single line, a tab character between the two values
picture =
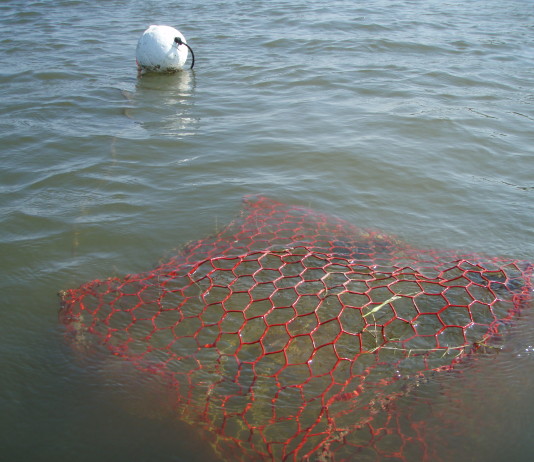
287	335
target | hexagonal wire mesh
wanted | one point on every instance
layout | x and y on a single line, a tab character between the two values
287	335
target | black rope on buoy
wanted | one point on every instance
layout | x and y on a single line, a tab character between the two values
179	41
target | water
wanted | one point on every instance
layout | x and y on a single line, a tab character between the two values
413	117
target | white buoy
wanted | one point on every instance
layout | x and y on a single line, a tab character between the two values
162	49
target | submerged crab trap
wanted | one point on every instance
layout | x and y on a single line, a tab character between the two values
290	334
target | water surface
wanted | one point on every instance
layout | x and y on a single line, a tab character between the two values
412	117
